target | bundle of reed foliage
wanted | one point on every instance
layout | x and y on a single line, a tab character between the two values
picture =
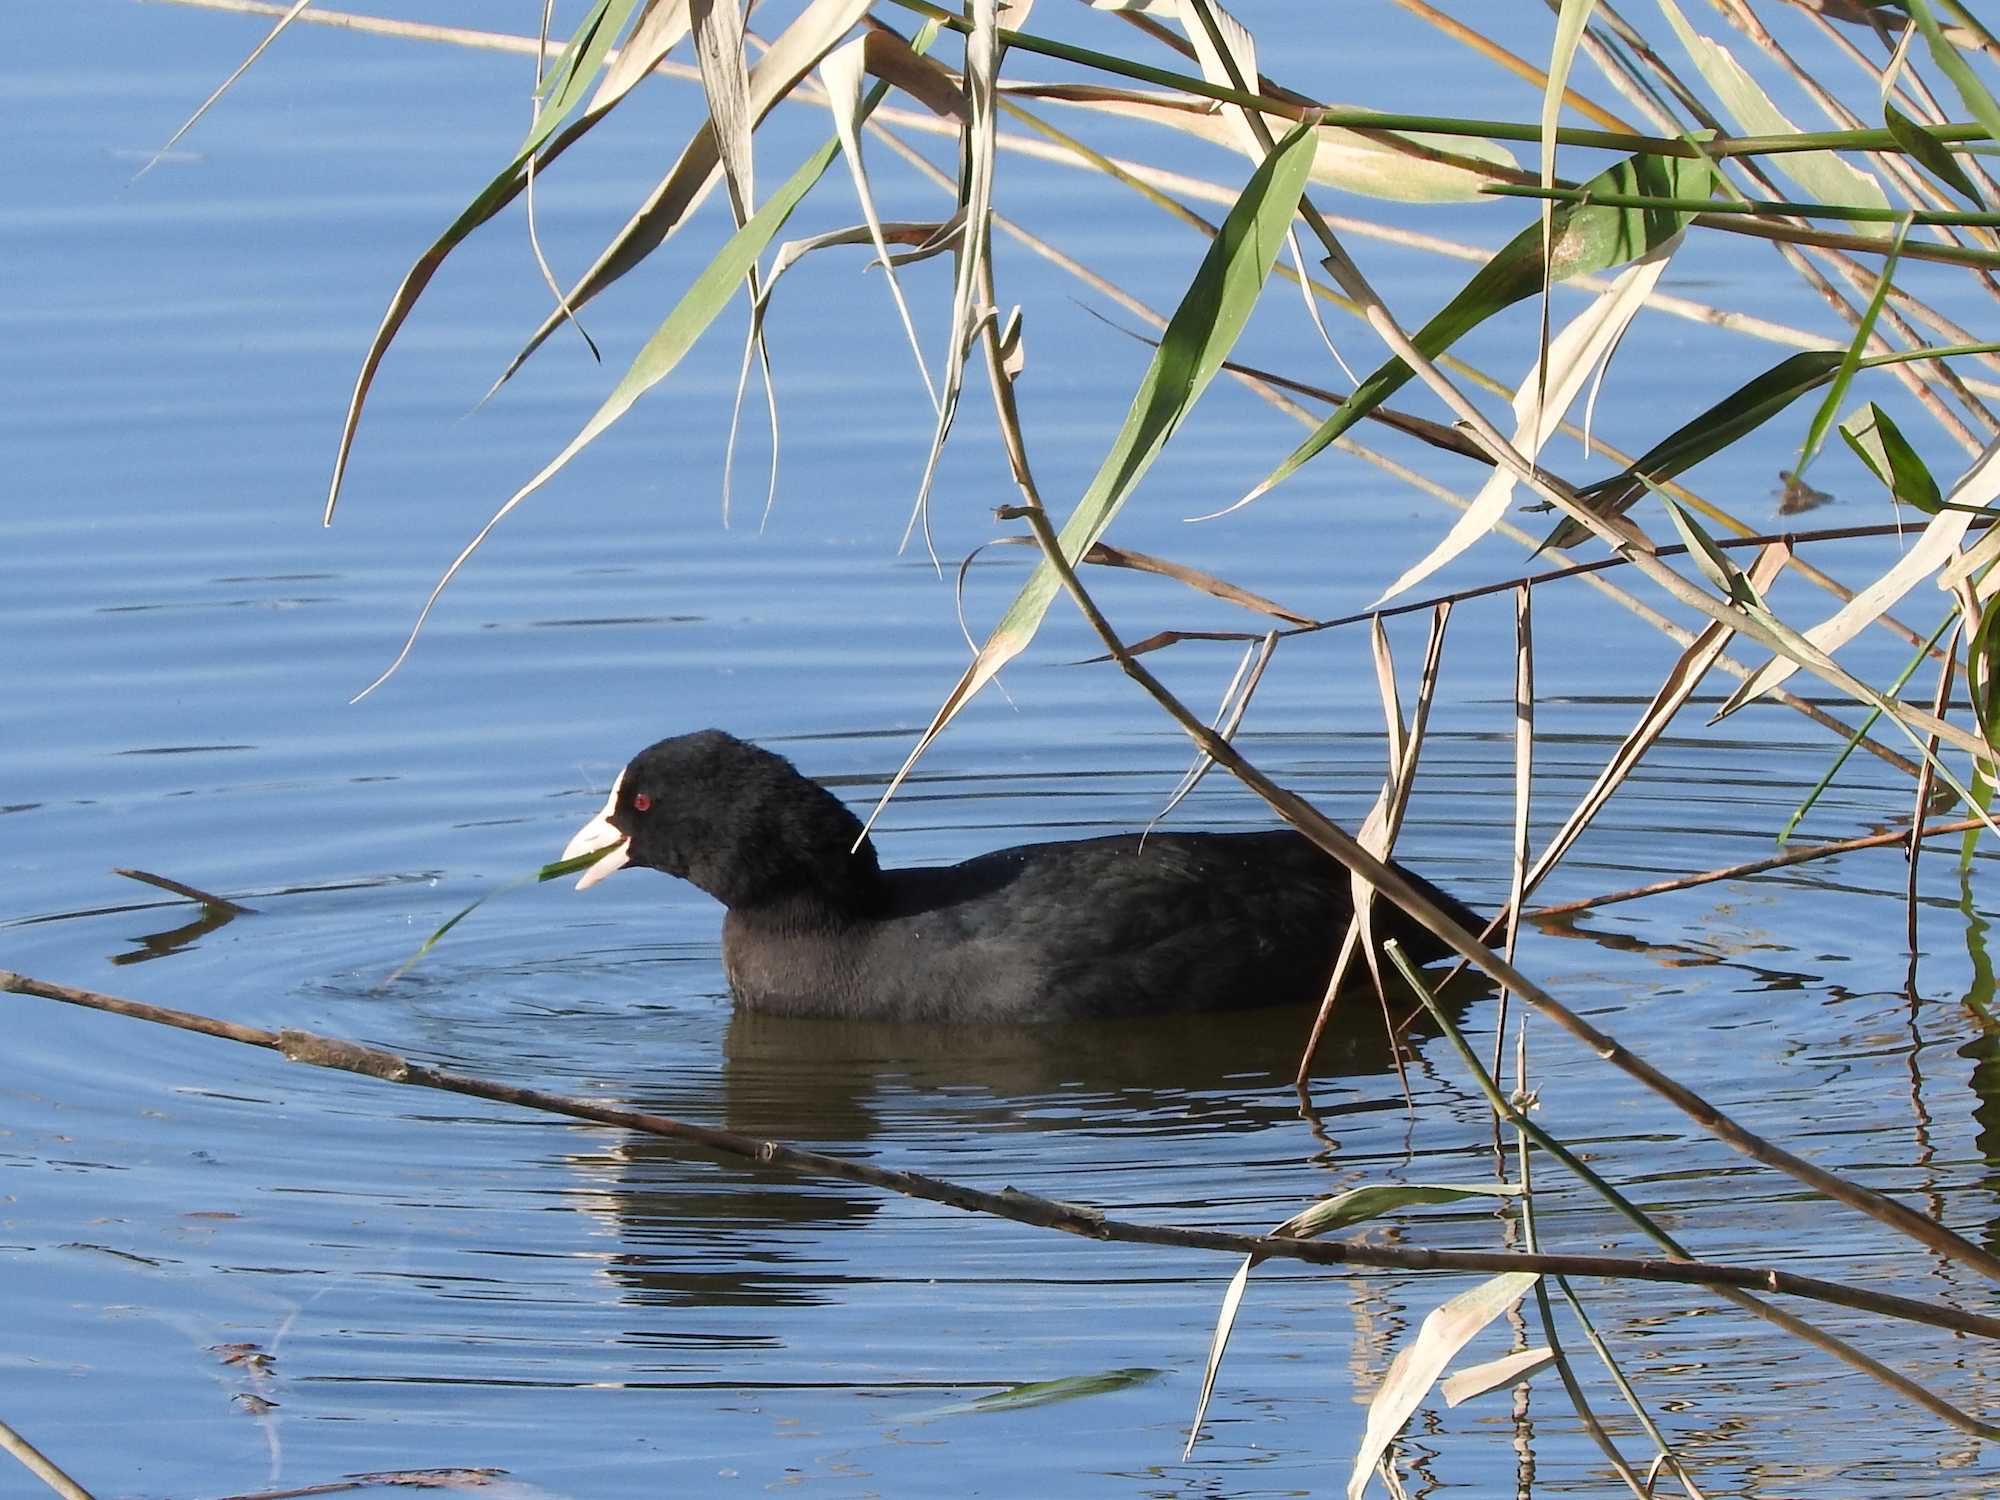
1627	145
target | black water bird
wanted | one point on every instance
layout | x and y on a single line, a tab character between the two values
1117	926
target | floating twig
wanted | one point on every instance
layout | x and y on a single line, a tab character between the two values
220	903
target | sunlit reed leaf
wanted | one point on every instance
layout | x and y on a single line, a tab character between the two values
841	71
725	83
796	52
1495	1375
704	299
975	200
574	69
1821	175
496	195
660	25
1548	390
1879	443
1417	1365
1197	340
1587	238
1424	168
1571	18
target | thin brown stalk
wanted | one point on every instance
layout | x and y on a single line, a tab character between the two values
1010	1204
1606	564
1752	867
1520	67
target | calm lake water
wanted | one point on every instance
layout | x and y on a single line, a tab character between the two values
440	1283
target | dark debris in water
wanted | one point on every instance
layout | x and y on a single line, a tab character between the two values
1796	496
416	1479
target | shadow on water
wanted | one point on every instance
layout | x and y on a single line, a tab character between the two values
988	1106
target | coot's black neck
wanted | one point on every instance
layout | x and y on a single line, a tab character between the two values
790	855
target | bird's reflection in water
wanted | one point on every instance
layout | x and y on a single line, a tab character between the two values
1072	1110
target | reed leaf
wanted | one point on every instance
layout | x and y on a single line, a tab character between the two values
1586	238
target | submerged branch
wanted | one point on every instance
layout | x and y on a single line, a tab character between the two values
1018	1207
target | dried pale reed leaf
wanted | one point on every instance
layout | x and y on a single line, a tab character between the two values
893	231
1445	1331
841	72
1419	172
1495	1375
1549	388
710	292
1228	717
1356	1205
659	29
223	87
1218	1344
725	82
1571	17
1821	175
1587	238
982	66
1197	340
797	50
924	79
1106	555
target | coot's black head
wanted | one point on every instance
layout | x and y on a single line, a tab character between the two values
735	820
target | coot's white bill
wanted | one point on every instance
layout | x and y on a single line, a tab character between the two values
596	834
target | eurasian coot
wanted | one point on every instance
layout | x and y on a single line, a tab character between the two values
1094	927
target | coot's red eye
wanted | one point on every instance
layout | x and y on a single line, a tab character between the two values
642	803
